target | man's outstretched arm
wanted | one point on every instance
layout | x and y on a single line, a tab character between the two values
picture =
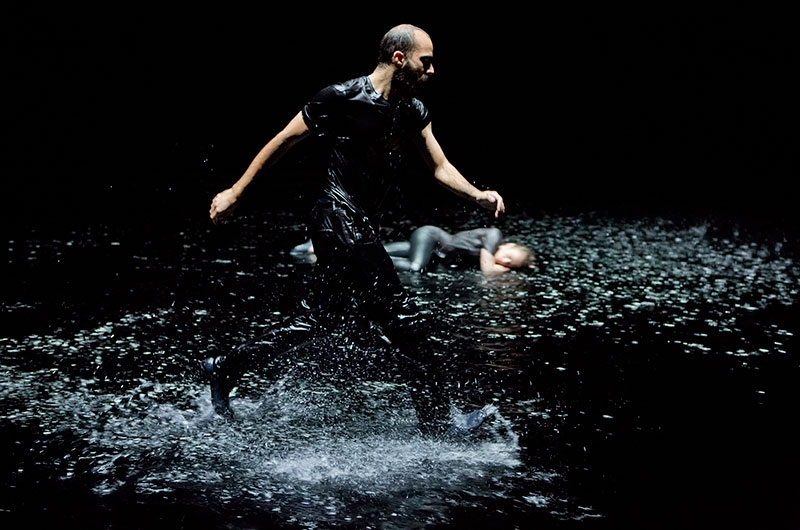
451	178
225	201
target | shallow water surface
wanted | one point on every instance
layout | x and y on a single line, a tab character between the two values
645	376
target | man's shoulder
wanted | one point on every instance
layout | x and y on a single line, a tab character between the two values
348	86
355	85
358	81
419	107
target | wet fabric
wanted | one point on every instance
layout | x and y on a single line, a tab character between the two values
430	243
354	277
367	137
456	246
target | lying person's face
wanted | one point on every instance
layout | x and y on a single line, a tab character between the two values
512	255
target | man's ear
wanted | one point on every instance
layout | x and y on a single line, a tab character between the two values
398	58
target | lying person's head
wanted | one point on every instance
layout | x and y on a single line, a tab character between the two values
514	256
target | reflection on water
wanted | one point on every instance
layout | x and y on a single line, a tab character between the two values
645	372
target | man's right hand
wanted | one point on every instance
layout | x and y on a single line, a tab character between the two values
491	200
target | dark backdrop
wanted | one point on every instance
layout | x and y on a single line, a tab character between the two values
140	116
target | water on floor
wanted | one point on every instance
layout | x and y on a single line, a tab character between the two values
645	376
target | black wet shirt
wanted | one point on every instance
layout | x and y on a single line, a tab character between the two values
367	136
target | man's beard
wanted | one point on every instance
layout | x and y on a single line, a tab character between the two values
408	82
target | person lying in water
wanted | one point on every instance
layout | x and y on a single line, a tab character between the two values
431	244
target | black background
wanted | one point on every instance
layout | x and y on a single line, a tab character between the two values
141	115
136	117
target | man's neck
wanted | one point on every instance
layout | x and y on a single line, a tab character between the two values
381	79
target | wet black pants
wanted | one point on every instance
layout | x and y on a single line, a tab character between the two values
354	278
